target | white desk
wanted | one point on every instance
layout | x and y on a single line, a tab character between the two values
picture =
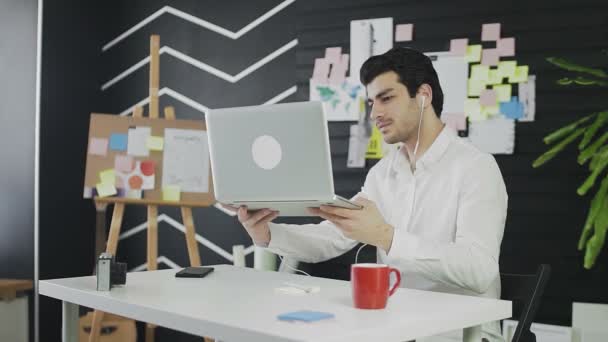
240	304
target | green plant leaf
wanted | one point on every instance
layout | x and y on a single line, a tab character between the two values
571	66
545	157
596	242
565	81
564	131
592	149
590	181
589	82
601	119
597	157
596	203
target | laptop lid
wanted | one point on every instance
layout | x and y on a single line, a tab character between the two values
270	153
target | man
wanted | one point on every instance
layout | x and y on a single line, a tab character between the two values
435	207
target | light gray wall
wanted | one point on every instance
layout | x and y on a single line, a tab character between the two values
18	20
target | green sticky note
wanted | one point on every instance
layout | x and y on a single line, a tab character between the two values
106	189
171	193
473	54
107	176
472	109
490	110
507	68
503	92
155	143
480	72
475	87
520	74
494	77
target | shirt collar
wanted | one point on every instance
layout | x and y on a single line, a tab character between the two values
432	155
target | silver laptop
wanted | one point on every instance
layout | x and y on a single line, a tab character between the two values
272	156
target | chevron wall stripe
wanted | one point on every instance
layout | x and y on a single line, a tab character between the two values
198	21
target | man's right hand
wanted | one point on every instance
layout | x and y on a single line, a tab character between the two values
256	224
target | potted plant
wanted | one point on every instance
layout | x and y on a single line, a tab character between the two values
592	133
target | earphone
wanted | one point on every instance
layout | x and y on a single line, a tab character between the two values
419	125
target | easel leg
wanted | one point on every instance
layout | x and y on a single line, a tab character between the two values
119	211
195	258
152	256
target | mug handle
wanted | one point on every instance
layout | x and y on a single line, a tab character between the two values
394	288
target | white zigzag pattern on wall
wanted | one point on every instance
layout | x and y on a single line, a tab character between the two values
173	223
203	66
200	22
200	107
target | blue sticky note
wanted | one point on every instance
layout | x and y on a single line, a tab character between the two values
512	109
305	316
118	142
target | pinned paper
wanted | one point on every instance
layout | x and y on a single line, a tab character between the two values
138	137
473	54
105	190
404	32
527	96
98	146
155	143
374	148
320	72
124	164
171	193
503	92
512	109
489	57
488	98
452	72
489	111
107	176
458	47
118	142
135	194
507	68
333	54
475	87
357	144
490	32
494	77
341	102
472	109
520	74
495	135
456	121
337	75
186	160
147	170
480	72
506	47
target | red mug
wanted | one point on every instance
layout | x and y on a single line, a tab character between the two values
370	285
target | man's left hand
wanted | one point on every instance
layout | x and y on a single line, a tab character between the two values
364	225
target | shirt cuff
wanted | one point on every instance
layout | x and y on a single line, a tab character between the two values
277	237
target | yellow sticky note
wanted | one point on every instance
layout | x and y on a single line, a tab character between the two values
374	147
507	68
475	87
480	72
473	54
108	176
106	189
155	143
171	193
520	74
490	110
472	110
494	77
503	92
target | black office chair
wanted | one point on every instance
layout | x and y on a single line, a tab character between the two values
525	291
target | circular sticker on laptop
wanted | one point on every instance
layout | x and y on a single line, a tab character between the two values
266	152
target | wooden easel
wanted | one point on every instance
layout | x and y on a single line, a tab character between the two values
119	207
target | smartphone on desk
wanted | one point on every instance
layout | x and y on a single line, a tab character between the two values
194	272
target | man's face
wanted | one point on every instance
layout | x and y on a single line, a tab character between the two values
393	111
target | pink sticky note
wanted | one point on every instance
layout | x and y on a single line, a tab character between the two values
488	98
337	74
98	146
489	57
456	121
404	32
124	164
344	60
490	32
332	54
506	47
459	46
321	70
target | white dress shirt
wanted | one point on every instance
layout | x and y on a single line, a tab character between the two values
449	217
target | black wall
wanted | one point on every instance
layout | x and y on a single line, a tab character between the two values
545	214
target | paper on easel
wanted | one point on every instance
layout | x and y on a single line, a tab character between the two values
186	160
496	135
527	96
136	141
368	38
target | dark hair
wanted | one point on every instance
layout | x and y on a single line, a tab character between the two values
413	68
